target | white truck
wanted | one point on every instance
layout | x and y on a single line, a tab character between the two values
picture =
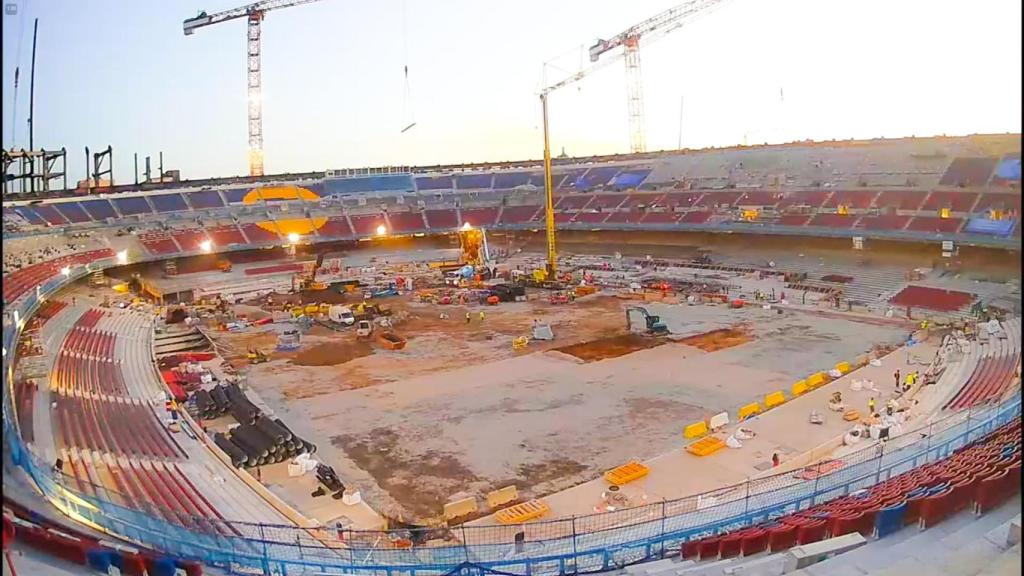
341	315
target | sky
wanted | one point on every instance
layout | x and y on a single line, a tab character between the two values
121	72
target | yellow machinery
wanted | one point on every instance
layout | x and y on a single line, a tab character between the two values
256	356
629	40
473	243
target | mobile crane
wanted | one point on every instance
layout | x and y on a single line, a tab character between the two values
648	30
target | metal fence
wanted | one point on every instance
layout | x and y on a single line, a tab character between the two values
580	544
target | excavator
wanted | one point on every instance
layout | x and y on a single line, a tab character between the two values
654	325
256	356
307	281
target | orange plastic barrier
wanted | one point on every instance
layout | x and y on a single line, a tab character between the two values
522	512
705	446
626	473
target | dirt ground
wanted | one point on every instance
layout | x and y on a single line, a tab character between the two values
460	413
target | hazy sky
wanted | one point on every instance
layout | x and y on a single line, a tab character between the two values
122	72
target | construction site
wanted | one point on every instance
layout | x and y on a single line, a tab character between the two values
429	375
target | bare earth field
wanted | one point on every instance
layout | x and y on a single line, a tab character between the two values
458	412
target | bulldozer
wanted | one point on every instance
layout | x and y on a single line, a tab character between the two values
256	356
654	325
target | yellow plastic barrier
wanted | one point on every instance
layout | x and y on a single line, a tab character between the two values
705	446
626	473
696	429
749	410
774	399
816	379
843	367
799	388
502	496
459	508
522	512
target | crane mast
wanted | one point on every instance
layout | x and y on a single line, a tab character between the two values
629	40
648	30
253	13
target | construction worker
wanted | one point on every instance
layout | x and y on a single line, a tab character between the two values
467	317
871	405
910	380
775	459
897	376
481	315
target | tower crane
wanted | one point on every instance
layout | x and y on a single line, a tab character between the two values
254	14
649	30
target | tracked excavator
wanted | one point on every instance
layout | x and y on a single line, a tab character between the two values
653	323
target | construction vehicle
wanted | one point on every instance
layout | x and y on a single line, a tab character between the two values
364	328
654	27
367	311
307	280
224	265
256	356
341	315
654	325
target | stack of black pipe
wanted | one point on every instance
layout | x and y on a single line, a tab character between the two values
265	441
212	403
257	440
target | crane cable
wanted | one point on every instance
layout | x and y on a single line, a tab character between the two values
17	61
408	115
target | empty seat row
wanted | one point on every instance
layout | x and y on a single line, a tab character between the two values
983	475
117	427
22	281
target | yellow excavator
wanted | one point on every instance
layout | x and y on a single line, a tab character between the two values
256	356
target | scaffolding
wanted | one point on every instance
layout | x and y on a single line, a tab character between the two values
32	171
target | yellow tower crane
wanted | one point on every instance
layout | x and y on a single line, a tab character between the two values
648	31
254	14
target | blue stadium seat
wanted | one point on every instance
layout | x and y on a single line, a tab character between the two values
380	183
990	227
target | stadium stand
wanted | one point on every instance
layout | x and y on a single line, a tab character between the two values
833	221
954	201
365	225
406	221
966	172
1007	172
435	183
226	235
480	217
935	225
22	280
205	199
891	222
376	183
901	199
336	227
159	243
856	199
189	239
442	219
73	212
132	205
168	203
257	233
